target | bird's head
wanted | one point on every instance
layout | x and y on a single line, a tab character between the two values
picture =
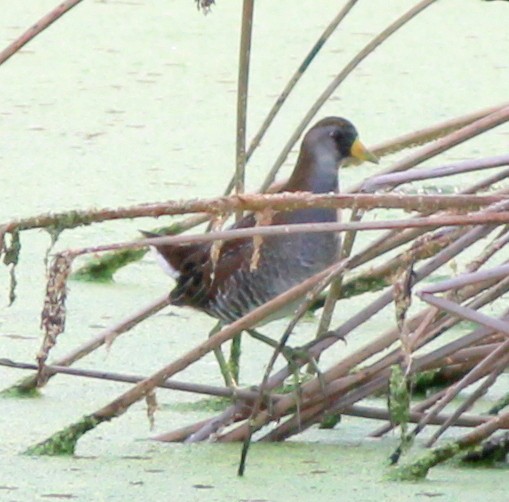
341	135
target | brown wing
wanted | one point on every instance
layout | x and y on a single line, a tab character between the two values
199	279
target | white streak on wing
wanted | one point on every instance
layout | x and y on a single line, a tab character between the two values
172	272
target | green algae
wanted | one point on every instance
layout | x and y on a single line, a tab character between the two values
499	405
419	469
330	420
64	442
399	408
103	268
399	397
26	387
215	404
490	453
360	285
350	467
426	380
69	219
20	391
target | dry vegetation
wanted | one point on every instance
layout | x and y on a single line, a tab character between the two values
397	361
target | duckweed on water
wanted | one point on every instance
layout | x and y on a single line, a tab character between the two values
63	442
214	404
103	269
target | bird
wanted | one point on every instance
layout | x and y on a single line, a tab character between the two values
228	288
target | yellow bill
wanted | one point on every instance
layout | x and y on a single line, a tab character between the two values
359	151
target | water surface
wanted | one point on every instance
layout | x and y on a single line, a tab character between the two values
125	102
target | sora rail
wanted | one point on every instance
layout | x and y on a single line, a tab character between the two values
230	289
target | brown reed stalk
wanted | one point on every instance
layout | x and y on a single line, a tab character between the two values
242	91
209	390
374	413
28	384
362	391
231	370
116	260
477	218
419	468
392	180
489	251
65	440
497	290
257	202
500	364
314	386
457	137
380	372
332	87
431	133
37	28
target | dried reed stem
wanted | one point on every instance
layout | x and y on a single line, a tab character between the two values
37	28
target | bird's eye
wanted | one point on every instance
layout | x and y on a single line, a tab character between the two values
335	134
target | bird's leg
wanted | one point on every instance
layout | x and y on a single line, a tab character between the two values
292	355
289	353
330	419
263	338
234	360
229	380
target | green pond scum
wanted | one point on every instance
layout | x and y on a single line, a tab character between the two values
63	442
107	114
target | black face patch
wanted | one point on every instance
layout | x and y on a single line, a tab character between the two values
344	135
197	278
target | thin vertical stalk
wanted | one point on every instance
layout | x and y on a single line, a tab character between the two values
242	92
293	82
335	288
354	62
240	157
298	74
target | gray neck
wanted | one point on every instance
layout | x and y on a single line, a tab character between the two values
321	177
324	167
317	166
